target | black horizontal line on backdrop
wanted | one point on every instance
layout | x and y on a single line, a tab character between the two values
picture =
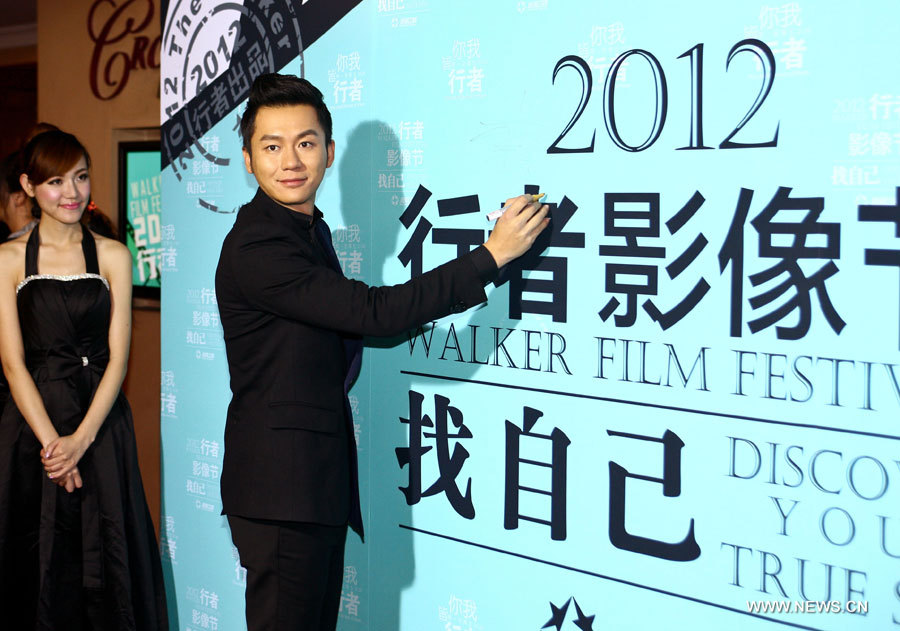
622	581
576	395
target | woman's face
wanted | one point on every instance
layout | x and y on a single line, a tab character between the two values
63	197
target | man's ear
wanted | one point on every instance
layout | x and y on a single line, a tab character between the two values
330	154
248	163
20	199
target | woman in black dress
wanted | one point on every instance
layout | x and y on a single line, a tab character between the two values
77	546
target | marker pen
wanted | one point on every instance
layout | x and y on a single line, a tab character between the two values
495	214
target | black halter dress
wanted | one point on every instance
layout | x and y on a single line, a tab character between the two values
87	559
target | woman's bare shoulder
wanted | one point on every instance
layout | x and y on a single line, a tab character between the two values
112	252
113	247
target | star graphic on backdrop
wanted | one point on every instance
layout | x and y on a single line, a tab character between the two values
558	617
585	623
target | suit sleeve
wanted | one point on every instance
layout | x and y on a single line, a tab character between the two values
279	275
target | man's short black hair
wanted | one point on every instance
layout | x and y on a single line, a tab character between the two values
274	90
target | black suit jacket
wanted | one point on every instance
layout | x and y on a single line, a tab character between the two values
293	325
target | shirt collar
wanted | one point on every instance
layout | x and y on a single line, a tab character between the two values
291	217
307	221
18	233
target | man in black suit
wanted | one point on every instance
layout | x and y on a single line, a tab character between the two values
293	327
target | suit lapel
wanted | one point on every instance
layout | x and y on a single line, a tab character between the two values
323	234
352	344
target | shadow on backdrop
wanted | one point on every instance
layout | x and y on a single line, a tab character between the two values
372	217
375	213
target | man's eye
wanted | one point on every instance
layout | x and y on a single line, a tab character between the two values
306	144
272	148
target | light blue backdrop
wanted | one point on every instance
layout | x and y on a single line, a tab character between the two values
772	461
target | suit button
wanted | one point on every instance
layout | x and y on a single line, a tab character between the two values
459	307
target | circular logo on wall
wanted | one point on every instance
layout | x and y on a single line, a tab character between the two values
220	46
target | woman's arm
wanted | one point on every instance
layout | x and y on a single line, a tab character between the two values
12	351
63	454
12	354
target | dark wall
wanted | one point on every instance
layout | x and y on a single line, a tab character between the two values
18	105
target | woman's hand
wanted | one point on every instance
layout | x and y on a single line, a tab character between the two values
70	482
61	456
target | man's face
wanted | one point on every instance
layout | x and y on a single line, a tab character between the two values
288	155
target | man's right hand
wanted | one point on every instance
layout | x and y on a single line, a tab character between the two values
517	228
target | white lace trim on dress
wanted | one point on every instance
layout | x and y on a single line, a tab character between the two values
59	277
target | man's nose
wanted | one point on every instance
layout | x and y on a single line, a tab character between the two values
291	159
